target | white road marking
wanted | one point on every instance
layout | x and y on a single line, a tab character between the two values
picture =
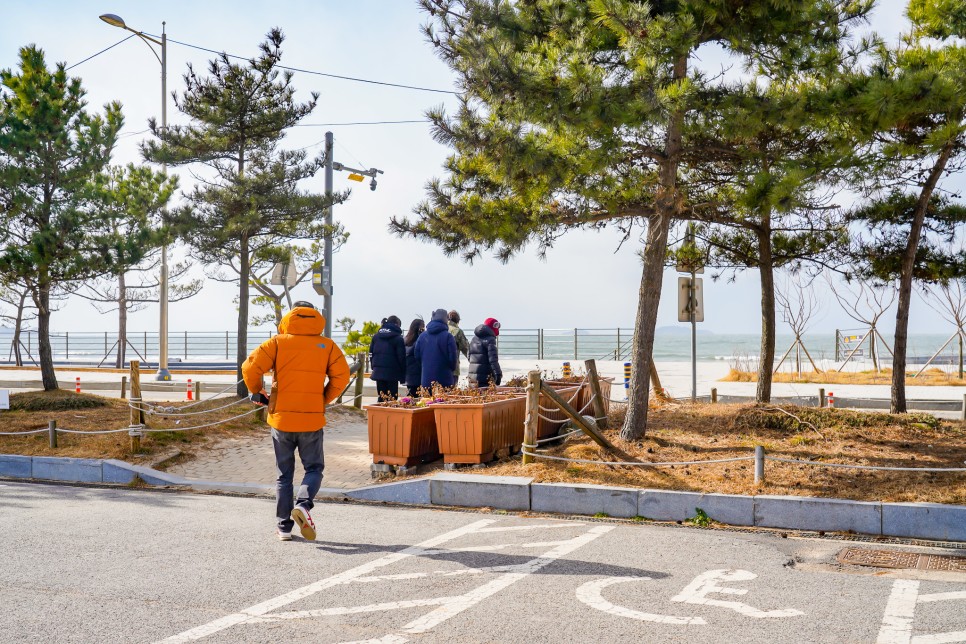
589	593
536	526
300	593
436	573
352	610
941	597
940	638
496	547
900	612
706	583
475	596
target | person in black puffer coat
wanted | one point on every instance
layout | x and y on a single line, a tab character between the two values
388	358
436	352
484	361
414	370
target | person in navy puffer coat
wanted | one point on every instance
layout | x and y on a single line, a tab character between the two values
484	357
388	358
414	370
436	352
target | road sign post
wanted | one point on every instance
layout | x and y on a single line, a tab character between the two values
691	309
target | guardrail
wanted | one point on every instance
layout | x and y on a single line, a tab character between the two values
92	347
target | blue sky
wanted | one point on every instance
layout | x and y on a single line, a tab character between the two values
584	281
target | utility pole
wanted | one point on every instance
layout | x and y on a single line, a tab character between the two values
327	254
356	174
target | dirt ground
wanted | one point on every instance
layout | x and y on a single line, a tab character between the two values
115	414
685	432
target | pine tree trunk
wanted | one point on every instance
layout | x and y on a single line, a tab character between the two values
667	208
766	359
648	299
905	281
42	300
243	295
121	321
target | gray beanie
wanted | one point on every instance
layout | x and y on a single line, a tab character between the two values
441	315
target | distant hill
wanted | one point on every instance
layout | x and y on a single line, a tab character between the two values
683	329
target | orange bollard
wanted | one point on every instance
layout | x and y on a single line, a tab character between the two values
831	399
77	385
190	389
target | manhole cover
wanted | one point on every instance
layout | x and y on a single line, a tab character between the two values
901	559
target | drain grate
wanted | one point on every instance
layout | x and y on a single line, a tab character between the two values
901	559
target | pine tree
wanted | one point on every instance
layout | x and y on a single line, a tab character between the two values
777	175
239	114
52	154
584	114
911	103
131	200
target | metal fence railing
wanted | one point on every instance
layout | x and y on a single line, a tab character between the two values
202	346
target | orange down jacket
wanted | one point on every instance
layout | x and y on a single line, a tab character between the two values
301	359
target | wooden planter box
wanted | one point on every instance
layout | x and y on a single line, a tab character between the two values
548	428
474	432
578	401
606	390
402	436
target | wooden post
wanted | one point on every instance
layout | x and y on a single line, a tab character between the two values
821	396
583	425
714	395
656	387
137	416
533	414
600	413
198	390
123	387
262	414
52	430
357	401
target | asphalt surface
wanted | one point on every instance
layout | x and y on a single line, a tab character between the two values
122	565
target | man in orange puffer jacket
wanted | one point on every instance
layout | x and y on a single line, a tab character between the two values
301	359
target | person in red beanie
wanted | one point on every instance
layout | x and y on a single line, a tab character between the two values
484	359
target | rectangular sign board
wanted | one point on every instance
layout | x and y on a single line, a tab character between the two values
4	399
684	299
320	280
285	274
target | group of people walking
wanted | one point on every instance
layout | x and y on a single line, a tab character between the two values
428	354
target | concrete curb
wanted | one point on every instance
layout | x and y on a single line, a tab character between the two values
912	520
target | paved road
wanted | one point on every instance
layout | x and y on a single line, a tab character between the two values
119	565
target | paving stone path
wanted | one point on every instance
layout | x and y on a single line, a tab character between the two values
252	460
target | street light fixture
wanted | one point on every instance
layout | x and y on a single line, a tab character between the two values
116	21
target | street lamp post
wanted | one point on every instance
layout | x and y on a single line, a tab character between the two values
116	21
356	174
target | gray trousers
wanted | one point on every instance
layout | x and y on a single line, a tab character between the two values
309	445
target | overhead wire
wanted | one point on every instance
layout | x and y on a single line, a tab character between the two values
318	73
100	52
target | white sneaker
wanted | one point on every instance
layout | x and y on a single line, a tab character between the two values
302	517
284	536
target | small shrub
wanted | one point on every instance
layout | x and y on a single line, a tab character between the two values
601	515
56	400
700	518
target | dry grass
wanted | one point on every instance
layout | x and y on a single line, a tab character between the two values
115	414
682	432
934	377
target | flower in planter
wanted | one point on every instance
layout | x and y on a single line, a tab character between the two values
406	400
